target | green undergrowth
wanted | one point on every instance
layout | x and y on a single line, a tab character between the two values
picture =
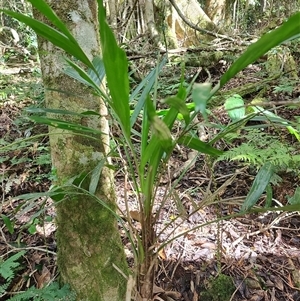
21	88
23	145
9	270
258	146
220	288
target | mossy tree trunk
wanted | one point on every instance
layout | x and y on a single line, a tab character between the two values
87	236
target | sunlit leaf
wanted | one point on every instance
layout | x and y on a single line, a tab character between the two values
234	106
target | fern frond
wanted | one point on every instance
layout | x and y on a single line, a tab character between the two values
3	289
51	292
8	267
261	147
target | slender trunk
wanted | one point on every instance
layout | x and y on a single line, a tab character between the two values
87	236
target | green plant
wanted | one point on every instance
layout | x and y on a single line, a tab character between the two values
258	147
261	150
145	166
51	292
8	269
219	288
33	153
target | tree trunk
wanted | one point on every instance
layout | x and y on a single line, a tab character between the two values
149	17
113	13
181	16
87	236
215	9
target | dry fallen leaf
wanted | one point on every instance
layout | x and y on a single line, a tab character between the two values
135	215
44	278
253	283
162	254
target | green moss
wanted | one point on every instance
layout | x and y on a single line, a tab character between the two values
220	288
91	246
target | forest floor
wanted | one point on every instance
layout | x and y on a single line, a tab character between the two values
260	252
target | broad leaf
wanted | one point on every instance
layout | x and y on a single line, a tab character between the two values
234	106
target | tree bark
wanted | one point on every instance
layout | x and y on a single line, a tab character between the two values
87	236
188	24
215	9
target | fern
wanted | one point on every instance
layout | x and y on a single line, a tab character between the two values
8	269
261	147
49	293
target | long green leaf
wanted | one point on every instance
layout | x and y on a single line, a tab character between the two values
8	223
277	119
232	127
65	125
46	10
199	145
116	67
145	85
288	30
95	177
63	112
83	75
89	78
100	70
259	185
